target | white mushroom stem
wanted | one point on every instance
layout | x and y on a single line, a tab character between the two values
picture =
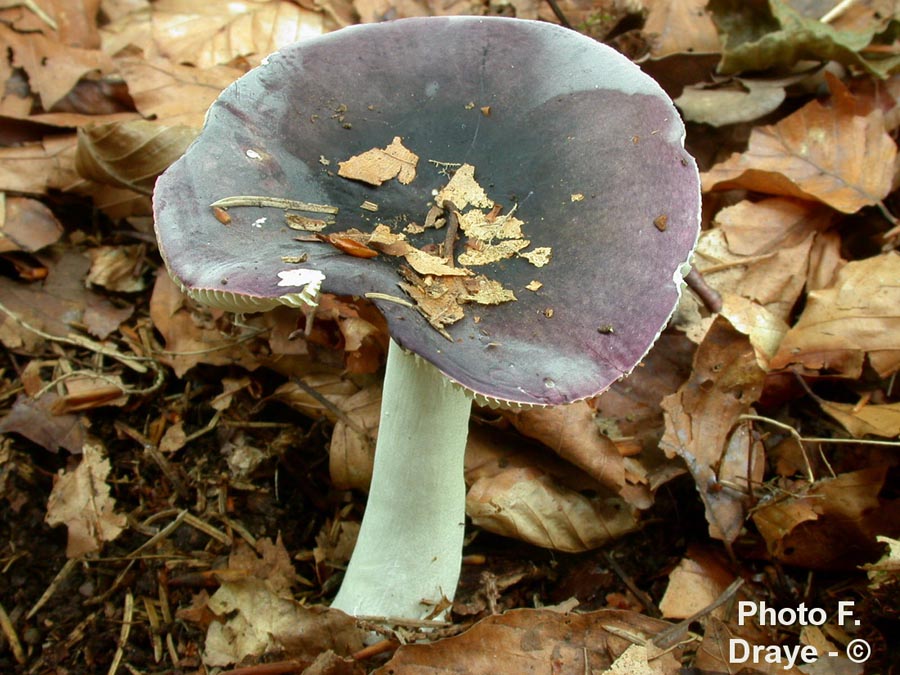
409	551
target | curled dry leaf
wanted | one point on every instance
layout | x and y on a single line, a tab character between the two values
258	615
827	154
831	524
702	427
81	501
694	585
858	316
130	154
537	641
869	419
528	504
118	268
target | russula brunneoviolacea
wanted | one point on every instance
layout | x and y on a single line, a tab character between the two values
567	133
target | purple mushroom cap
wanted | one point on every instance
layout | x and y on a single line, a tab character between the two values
588	147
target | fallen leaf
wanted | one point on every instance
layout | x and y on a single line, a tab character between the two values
118	268
740	100
81	501
703	427
26	225
870	419
376	166
33	419
858	316
352	450
527	504
719	639
829	154
831	524
680	26
698	580
536	641
463	190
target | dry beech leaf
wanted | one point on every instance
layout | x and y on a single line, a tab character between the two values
335	388
33	419
679	27
694	585
764	329
840	325
537	641
527	504
26	225
730	103
190	335
352	449
870	419
376	166
713	654
80	500
831	524
130	154
259	616
118	268
463	190
572	433
701	420
828	154
218	32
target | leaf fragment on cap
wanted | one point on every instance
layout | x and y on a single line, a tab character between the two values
377	165
463	190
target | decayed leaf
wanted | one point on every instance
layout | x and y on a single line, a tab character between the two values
537	641
130	154
829	154
80	500
763	35
858	316
118	268
34	420
869	419
831	524
376	166
713	654
26	225
702	427
730	103
572	433
527	504
463	190
260	617
218	31
352	449
764	329
694	585
679	27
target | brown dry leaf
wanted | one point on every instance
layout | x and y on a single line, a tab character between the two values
118	268
463	190
832	524
703	428
733	102
694	585
217	32
572	433
85	392
262	617
528	504
35	167
174	94
761	250
537	641
130	154
714	651
858	316
885	571
190	334
332	387
80	500
53	67
765	330
869	419
26	225
376	166
352	449
33	419
680	26
489	253
828	154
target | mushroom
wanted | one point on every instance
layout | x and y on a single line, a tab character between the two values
563	131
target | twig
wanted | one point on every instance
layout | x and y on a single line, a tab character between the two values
643	597
162	534
12	638
558	13
51	589
127	616
275	202
40	13
278	668
452	230
389	298
837	10
707	294
331	407
671	635
793	432
379	647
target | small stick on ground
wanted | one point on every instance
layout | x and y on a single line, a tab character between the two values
559	14
12	638
672	635
710	296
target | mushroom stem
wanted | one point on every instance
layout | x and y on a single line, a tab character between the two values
409	551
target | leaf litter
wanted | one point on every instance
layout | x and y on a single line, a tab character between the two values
782	428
